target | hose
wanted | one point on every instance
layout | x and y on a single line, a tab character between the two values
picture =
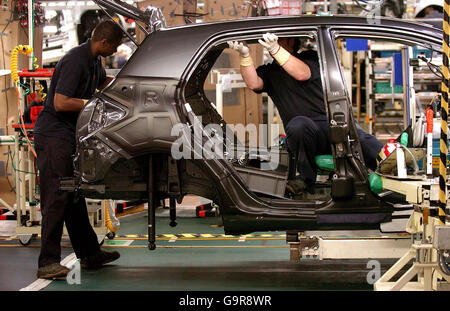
108	221
41	92
416	166
24	49
27	50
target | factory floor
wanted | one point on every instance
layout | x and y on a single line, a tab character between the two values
193	256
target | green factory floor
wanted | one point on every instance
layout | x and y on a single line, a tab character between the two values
192	262
193	256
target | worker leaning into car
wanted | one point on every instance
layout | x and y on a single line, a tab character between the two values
75	78
294	83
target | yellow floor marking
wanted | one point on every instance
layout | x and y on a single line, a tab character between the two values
18	245
207	236
188	235
184	239
215	239
165	246
234	246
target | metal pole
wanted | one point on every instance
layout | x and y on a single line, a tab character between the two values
406	87
333	7
444	115
31	32
369	92
31	185
17	178
219	95
21	185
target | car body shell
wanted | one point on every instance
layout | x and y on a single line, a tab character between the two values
127	154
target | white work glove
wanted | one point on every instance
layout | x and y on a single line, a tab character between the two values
243	50
278	52
270	42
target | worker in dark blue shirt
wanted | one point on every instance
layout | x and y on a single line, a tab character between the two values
294	83
75	79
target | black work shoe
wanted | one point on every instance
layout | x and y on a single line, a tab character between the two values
296	186
52	271
99	259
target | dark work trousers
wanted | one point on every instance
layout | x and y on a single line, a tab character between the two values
54	160
307	138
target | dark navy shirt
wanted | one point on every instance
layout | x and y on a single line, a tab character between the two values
77	75
292	97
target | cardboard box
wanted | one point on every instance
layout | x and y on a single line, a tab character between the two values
283	7
225	10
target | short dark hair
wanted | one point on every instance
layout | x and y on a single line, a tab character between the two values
108	30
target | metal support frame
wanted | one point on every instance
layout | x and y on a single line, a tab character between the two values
423	194
31	32
236	81
324	248
363	248
408	97
24	170
6	141
369	89
24	176
407	72
411	189
97	211
217	78
425	266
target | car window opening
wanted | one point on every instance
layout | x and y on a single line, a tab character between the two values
237	104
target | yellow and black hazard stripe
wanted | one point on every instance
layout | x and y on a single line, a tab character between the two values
444	115
200	236
188	236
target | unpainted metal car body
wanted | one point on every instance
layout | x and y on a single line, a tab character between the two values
124	135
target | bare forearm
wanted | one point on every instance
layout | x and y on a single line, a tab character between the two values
64	103
251	78
105	84
297	69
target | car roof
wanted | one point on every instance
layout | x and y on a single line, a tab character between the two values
167	52
305	20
